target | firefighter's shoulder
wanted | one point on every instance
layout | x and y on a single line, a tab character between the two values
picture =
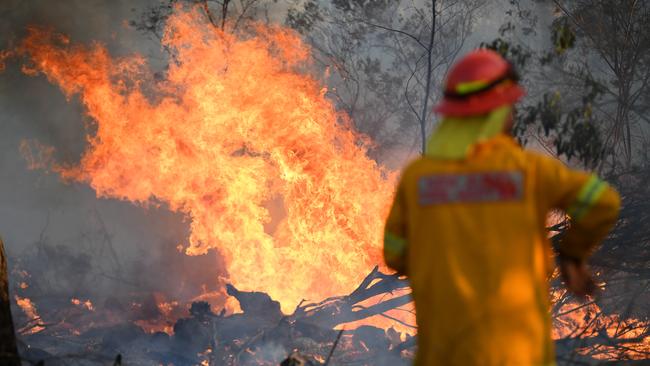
419	166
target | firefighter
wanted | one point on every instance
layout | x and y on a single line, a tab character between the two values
468	227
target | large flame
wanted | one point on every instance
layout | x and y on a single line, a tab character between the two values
239	140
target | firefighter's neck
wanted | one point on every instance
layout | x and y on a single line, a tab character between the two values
509	125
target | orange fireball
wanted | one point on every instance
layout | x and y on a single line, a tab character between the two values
238	138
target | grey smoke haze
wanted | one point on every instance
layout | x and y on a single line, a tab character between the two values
34	204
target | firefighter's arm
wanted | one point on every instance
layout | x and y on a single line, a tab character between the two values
591	204
593	213
395	234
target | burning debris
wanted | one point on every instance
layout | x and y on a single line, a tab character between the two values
339	329
85	304
28	307
260	335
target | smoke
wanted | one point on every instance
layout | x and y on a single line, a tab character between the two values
68	242
272	353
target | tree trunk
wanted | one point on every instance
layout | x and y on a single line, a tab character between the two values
8	350
427	89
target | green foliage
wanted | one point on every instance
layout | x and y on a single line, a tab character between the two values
303	20
562	118
562	35
516	54
376	6
573	131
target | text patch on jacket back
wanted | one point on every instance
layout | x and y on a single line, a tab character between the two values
472	187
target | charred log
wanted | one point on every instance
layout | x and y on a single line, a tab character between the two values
256	303
344	309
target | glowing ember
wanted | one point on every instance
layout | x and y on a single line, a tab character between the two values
3	56
84	304
575	320
29	308
166	308
249	148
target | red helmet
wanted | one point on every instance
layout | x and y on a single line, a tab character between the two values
480	82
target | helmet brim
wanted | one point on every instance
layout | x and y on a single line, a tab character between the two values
477	105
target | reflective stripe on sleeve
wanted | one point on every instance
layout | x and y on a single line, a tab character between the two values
394	246
587	197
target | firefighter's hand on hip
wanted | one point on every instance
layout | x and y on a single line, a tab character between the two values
577	276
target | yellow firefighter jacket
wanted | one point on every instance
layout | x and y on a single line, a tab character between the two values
470	235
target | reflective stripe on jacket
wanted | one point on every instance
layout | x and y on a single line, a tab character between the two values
471	236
